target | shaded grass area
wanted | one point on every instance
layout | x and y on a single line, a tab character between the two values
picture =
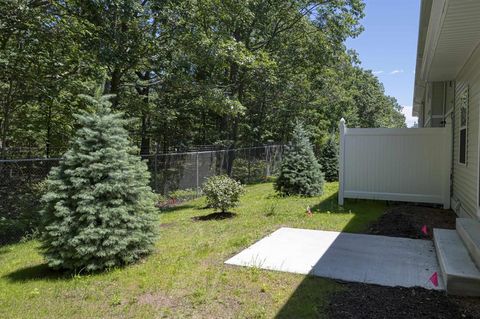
185	276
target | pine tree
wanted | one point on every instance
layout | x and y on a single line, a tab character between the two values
99	210
329	159
300	172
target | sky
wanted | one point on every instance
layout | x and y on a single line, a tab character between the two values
388	47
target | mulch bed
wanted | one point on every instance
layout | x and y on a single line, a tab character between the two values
408	220
372	301
169	203
214	216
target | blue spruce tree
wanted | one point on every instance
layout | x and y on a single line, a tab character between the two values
300	172
99	209
329	159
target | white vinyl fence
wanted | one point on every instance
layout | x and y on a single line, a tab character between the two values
406	164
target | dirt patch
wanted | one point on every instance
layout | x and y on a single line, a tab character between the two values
371	301
157	300
170	203
407	221
167	225
215	216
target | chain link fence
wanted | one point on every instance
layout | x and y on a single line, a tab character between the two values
21	180
180	171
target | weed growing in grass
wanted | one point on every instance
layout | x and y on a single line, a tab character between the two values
116	300
271	209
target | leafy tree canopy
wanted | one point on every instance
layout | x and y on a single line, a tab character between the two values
186	72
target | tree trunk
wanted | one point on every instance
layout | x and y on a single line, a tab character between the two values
144	131
4	127
145	139
114	86
49	131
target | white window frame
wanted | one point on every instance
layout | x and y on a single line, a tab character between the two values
464	105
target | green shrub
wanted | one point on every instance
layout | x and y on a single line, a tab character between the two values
22	217
249	171
329	159
99	210
222	192
300	172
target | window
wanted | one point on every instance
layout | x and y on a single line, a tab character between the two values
462	158
463	146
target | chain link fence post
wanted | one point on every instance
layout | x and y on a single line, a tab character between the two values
249	178
196	175
267	161
155	168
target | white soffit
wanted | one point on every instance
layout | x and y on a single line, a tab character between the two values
458	37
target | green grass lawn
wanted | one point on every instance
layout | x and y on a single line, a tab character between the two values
185	276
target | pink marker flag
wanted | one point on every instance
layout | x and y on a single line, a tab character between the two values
309	211
424	229
434	279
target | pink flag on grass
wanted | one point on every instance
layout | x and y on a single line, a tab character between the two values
309	212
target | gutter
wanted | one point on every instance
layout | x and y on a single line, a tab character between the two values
432	14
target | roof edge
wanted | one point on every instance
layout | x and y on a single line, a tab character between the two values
419	89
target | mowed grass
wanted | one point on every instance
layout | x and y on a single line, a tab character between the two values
185	276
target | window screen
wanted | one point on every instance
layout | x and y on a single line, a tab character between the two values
462	158
463	146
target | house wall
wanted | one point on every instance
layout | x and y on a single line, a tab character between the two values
465	177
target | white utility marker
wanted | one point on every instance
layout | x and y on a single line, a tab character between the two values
371	259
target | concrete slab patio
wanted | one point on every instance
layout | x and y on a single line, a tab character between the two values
381	260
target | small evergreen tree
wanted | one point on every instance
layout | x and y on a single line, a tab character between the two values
300	172
329	159
99	210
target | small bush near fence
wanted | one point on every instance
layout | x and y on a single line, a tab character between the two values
28	218
223	192
21	187
300	173
329	159
176	177
247	171
176	197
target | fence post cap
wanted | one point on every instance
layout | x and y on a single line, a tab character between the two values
342	120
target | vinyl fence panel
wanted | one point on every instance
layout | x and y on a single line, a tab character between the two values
406	164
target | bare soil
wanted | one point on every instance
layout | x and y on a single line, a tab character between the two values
408	220
373	302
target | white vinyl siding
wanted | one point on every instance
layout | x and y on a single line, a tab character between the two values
465	176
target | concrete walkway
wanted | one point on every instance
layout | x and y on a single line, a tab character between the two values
381	260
